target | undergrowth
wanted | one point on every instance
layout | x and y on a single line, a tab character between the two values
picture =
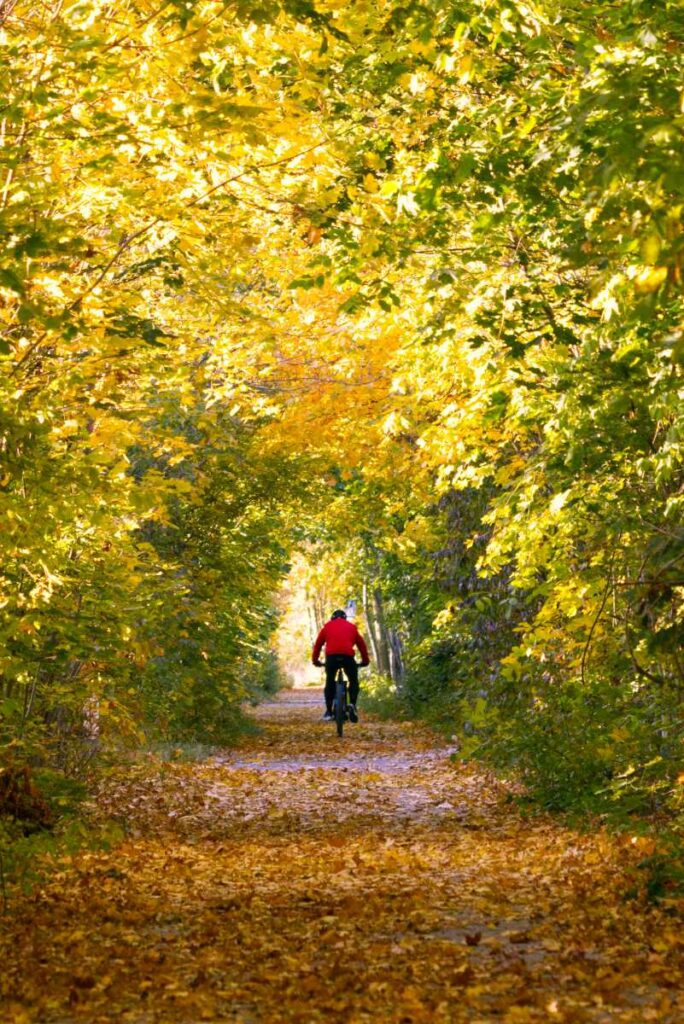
381	698
577	767
43	811
42	824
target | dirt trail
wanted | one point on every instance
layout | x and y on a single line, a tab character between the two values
304	878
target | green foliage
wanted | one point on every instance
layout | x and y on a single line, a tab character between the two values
532	195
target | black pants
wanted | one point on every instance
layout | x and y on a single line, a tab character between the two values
351	670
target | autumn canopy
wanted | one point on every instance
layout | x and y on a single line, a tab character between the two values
397	286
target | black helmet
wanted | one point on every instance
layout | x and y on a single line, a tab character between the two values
339	614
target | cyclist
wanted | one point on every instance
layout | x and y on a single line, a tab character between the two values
340	637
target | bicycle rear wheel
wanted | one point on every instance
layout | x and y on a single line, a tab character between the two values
340	702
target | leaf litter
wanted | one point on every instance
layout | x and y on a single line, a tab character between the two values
302	878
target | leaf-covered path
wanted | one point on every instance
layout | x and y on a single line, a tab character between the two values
303	878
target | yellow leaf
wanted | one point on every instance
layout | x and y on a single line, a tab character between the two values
465	66
373	160
649	280
650	248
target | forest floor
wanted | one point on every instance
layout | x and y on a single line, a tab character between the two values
303	878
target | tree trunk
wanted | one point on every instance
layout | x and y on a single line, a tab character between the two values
319	611
382	638
368	612
313	632
396	659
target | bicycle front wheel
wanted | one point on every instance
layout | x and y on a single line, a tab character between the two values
340	705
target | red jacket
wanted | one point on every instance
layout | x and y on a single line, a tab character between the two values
340	637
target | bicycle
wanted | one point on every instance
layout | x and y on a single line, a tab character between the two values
341	705
340	702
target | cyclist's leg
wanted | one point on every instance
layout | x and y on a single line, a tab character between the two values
330	671
352	671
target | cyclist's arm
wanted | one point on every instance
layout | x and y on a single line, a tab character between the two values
318	646
363	650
